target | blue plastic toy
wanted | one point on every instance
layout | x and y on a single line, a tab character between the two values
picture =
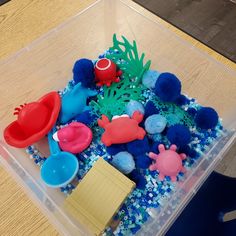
83	72
133	106
60	168
179	135
206	118
155	124
149	78
167	87
74	102
124	162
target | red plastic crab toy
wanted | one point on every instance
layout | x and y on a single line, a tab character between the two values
122	129
106	72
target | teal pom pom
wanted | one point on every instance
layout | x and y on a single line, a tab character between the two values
124	162
133	106
149	78
155	124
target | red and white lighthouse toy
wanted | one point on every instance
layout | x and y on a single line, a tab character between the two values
106	72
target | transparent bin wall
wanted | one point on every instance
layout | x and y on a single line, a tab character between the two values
46	65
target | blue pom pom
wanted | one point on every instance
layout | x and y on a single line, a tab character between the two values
182	100
155	124
167	87
154	147
142	161
150	109
193	153
184	149
138	147
86	118
188	151
192	111
164	132
206	118
133	106
149	78
83	71
116	148
179	135
124	162
138	179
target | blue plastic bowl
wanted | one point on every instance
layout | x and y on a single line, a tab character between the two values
59	170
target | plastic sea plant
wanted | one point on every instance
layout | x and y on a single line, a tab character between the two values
173	113
114	98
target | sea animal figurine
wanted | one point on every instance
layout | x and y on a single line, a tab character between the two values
74	102
34	121
106	72
74	138
122	129
167	162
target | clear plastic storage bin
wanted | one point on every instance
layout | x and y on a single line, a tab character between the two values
46	65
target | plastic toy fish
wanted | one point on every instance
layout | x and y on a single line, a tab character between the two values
122	129
74	102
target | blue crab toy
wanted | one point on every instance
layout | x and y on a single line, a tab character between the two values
74	101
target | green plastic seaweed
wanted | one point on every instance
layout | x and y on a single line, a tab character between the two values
113	100
133	66
116	97
173	113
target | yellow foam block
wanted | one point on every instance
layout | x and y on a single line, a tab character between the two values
98	196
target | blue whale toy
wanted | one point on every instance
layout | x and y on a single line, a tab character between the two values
74	101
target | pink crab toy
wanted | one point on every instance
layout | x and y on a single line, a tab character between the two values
168	162
122	129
